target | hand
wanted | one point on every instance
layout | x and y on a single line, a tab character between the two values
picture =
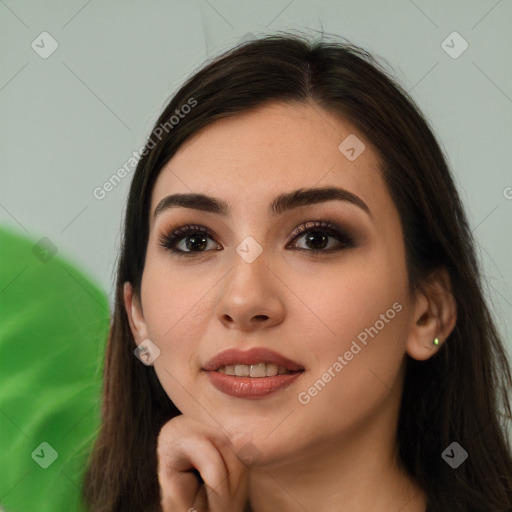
198	469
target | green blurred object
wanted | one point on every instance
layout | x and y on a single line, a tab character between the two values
53	328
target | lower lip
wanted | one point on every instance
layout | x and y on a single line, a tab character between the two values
250	387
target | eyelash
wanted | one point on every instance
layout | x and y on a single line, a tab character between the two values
174	235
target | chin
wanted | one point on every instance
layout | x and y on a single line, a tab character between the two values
257	453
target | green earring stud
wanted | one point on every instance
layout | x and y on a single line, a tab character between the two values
436	342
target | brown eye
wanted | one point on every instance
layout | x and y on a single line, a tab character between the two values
194	238
319	237
316	237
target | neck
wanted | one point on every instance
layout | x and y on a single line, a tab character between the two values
379	490
356	472
358	482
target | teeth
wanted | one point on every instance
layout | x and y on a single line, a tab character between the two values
271	370
242	370
253	370
229	370
258	370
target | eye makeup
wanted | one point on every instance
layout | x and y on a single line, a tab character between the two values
313	231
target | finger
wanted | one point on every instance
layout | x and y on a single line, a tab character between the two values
231	493
185	444
177	461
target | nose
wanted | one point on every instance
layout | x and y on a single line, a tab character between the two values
250	297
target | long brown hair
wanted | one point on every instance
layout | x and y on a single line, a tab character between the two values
460	394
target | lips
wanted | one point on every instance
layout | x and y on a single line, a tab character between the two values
253	356
254	373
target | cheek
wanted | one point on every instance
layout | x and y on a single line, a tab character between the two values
173	311
353	300
352	378
173	299
355	343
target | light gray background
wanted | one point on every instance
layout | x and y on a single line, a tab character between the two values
71	120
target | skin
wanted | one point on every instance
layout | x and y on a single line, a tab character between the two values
338	449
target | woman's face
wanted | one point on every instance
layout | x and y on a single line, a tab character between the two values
344	314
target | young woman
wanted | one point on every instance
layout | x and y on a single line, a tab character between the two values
299	284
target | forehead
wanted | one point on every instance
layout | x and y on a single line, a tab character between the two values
249	158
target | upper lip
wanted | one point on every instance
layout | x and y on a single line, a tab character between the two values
252	356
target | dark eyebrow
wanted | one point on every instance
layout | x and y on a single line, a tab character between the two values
281	204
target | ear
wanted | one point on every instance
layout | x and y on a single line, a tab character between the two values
435	316
135	315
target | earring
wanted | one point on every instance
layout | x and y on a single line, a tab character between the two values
436	342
